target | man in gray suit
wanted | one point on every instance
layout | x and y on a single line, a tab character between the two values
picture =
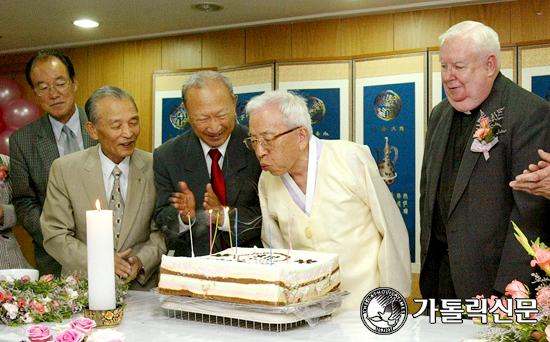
484	133
35	146
184	173
114	167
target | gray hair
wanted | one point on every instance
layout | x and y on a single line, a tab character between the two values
105	91
201	79
292	106
485	39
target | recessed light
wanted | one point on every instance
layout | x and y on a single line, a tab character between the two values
86	23
207	7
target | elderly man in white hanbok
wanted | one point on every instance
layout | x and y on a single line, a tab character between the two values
326	196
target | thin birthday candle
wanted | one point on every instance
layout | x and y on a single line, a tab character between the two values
191	234
216	230
236	230
229	225
210	211
290	239
270	248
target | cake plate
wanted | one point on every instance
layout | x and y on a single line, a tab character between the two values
260	317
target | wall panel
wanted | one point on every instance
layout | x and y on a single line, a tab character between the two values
223	48
268	42
316	39
497	16
141	58
419	29
527	25
105	67
365	35
182	52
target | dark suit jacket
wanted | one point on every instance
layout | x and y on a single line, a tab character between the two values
182	159
33	150
483	252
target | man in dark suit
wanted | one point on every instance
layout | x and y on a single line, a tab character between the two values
185	174
484	133
35	146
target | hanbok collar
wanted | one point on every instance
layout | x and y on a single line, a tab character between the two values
305	201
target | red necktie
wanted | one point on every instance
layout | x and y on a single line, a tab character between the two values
216	178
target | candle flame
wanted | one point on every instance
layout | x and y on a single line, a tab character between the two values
210	211
97	206
226	209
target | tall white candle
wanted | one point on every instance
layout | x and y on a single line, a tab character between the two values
101	261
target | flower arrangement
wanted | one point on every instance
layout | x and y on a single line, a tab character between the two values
79	330
519	331
48	299
488	128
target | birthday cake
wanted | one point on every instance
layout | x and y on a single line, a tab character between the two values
253	276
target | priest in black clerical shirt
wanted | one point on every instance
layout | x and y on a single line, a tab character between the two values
467	242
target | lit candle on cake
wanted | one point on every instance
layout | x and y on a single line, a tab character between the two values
210	211
236	231
270	248
191	234
101	261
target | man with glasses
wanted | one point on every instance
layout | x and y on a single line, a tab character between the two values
326	196
205	170
35	146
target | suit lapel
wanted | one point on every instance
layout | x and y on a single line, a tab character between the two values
46	140
437	153
136	187
88	141
470	159
94	186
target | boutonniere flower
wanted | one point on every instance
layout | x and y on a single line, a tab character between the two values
488	128
4	172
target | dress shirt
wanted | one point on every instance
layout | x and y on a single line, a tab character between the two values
107	166
74	125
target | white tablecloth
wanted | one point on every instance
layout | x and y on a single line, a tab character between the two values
145	320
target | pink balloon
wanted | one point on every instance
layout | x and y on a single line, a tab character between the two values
5	141
9	91
20	112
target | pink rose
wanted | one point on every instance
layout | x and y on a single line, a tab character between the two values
516	289
38	307
69	336
481	133
3	171
484	123
84	325
39	333
542	258
537	335
47	278
543	298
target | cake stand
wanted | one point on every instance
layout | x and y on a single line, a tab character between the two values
260	317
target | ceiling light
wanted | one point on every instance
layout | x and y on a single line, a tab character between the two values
207	7
86	23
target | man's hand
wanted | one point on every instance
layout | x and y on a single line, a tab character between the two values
536	179
127	270
184	202
211	201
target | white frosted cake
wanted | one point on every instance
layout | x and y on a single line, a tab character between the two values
252	277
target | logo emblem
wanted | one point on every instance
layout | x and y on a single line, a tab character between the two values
384	311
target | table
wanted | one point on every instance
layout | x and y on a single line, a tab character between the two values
145	320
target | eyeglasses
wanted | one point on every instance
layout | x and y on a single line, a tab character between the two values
61	86
266	140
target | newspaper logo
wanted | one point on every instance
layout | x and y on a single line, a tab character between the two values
384	311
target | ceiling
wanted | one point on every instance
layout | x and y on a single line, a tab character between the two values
28	25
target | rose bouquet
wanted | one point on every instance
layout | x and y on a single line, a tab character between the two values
539	330
48	299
